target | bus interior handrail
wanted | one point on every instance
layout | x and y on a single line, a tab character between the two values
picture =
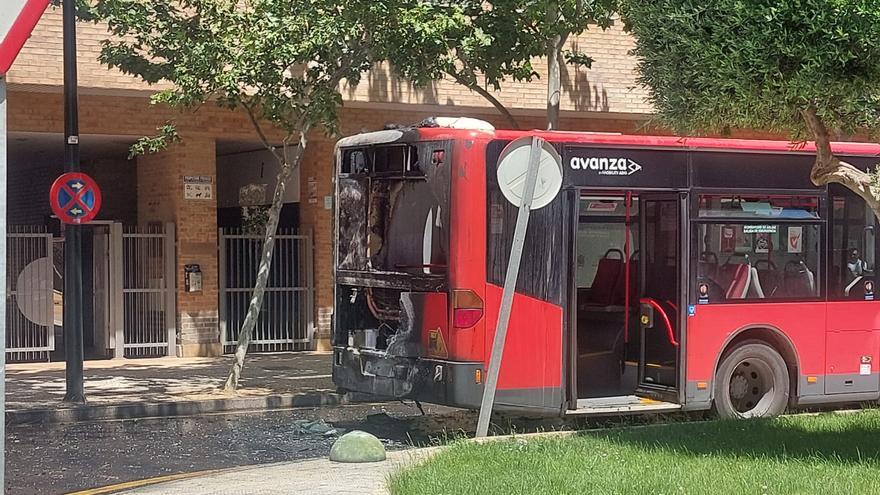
669	333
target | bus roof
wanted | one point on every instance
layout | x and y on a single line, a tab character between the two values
643	141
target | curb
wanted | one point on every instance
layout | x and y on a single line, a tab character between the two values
180	408
408	456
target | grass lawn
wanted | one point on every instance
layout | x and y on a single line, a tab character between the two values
825	454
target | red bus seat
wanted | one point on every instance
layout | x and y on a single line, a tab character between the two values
620	290
609	275
739	286
755	284
769	277
855	289
799	280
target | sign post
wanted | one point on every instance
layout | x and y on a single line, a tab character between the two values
3	294
17	20
530	183
73	300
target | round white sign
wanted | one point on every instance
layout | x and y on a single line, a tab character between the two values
513	165
33	291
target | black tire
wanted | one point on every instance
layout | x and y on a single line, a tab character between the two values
751	382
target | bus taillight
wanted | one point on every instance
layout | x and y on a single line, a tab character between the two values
467	308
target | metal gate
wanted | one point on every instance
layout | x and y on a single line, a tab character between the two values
132	293
32	305
286	318
148	299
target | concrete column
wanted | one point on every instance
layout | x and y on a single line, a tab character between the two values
161	199
317	168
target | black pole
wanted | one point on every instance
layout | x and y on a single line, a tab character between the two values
73	299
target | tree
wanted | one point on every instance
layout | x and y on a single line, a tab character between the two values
558	20
475	43
463	41
281	62
807	68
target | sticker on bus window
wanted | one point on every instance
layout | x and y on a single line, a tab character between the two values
703	290
759	229
728	238
602	206
869	290
692	310
795	239
763	243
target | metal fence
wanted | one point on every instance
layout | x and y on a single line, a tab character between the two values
286	319
33	305
148	300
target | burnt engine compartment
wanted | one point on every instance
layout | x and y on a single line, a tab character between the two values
377	319
392	242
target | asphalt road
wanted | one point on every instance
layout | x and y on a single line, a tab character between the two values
53	459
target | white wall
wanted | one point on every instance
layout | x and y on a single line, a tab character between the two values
255	167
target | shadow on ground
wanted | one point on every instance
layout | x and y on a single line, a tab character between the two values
41	385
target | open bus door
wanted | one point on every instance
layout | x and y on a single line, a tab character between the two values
626	321
661	301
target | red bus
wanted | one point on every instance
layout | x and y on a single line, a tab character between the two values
668	273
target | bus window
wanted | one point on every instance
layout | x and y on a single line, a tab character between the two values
541	269
747	260
746	206
853	246
601	233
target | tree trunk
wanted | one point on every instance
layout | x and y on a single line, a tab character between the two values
476	88
554	85
244	336
828	168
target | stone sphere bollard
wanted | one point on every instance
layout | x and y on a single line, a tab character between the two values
357	446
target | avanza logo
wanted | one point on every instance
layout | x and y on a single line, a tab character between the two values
606	166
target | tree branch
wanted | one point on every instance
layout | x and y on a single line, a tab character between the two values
829	169
563	38
253	118
476	88
824	155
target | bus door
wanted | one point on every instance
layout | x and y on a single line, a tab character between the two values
660	296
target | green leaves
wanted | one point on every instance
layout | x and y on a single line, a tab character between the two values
709	66
166	135
282	59
479	42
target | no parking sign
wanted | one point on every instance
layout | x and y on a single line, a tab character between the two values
75	198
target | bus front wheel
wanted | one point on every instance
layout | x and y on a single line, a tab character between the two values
751	382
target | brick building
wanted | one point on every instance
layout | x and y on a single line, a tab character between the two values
115	111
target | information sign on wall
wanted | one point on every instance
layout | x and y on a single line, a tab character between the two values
198	187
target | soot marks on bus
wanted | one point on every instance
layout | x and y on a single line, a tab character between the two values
392	243
351	224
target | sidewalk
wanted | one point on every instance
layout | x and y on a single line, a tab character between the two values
313	477
168	386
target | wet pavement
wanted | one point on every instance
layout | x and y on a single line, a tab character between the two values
60	458
67	457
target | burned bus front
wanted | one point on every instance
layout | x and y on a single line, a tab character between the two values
391	284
